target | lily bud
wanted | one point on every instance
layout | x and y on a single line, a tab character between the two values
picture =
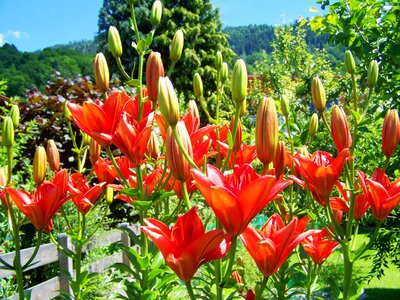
67	113
153	148
39	165
266	131
177	162
218	60
3	183
224	72
114	42
239	82
197	85
340	129
373	72
109	195
243	107
156	13
8	132
15	115
176	48
193	109
279	160
318	94
94	151
390	132
101	73
313	128
86	139
168	101
154	69
349	62
285	105
238	139
53	156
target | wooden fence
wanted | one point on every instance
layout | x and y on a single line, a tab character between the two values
49	253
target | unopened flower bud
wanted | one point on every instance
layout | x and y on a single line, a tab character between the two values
39	165
243	107
318	94
390	132
373	72
8	132
193	109
176	48
153	148
224	72
67	113
15	115
349	62
156	13
340	129
197	85
109	195
313	128
3	183
154	70
53	156
285	105
86	139
114	42
177	162
101	73
94	151
279	160
218	60
238	140
239	82
168	101
266	130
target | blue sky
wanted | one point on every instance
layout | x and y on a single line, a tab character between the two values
33	25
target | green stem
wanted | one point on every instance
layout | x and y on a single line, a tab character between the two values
261	288
386	164
140	88
348	273
9	165
171	69
38	242
204	107
232	253
235	128
190	290
122	69
185	195
111	157
184	152
354	86
133	17
371	241
326	122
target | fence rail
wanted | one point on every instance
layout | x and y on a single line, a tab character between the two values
49	253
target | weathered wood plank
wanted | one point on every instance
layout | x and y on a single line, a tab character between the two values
44	291
47	254
101	264
103	240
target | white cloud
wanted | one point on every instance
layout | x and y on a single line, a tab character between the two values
17	34
2	40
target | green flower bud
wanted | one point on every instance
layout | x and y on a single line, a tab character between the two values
109	195
318	94
14	114
239	82
285	105
156	13
218	60
176	48
114	42
224	72
39	165
349	62
312	130
373	72
67	113
168	101
8	132
197	85
101	73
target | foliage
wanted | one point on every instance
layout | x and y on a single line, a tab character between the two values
370	29
202	33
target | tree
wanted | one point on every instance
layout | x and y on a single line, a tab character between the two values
200	23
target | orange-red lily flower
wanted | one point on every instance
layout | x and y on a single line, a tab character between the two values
321	172
83	195
383	194
319	246
40	206
237	198
271	246
100	120
186	246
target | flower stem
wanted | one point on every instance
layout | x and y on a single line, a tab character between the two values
232	253
184	152
190	290
261	288
235	128
185	195
111	156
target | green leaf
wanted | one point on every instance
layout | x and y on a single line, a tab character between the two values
142	205
141	46
134	82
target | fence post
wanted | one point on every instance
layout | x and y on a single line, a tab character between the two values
126	241
65	263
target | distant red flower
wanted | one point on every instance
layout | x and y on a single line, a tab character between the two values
319	246
40	206
100	120
83	195
186	246
321	172
272	245
383	194
244	155
237	198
